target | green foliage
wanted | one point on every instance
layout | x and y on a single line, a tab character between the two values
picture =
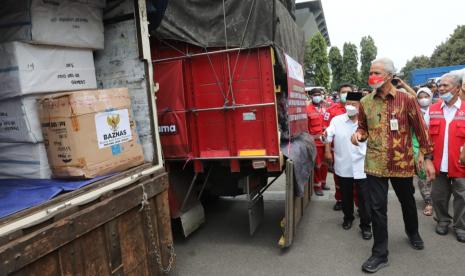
451	52
368	52
349	64
335	60
316	61
416	62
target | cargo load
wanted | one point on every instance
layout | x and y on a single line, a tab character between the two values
89	133
19	120
71	23
31	69
120	66
23	160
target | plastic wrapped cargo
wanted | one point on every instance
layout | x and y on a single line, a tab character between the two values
23	160
31	69
19	120
71	23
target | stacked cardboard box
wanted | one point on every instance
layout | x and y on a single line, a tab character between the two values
90	133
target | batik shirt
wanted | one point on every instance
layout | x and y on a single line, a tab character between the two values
389	152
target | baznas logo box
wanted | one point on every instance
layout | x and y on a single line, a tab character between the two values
89	133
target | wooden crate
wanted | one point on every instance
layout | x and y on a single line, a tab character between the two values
109	236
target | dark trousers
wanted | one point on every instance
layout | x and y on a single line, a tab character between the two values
347	185
378	191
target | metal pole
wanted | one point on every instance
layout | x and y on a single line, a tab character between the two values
196	55
231	107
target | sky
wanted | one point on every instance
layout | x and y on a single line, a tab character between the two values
401	29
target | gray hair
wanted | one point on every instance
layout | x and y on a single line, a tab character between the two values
455	78
460	73
387	63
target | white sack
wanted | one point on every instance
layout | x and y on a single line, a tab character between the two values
30	69
24	160
72	23
19	120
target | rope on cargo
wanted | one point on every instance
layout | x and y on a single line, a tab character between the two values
240	48
154	250
230	89
216	77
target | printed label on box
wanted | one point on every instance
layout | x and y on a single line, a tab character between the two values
113	128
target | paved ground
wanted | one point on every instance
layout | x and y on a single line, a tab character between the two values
223	247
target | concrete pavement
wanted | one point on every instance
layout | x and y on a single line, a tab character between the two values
223	246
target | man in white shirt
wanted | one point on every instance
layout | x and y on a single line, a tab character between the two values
349	163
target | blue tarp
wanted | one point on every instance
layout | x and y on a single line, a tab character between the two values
20	194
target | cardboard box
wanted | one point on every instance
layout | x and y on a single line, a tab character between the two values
89	133
71	23
31	69
24	160
19	120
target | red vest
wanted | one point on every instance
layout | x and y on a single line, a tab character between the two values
333	111
315	122
437	129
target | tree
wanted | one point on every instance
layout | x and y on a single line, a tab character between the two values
349	64
316	61
451	52
416	62
368	52
335	60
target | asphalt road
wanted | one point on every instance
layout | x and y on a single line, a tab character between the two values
222	246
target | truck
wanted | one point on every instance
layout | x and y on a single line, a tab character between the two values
113	225
231	108
425	75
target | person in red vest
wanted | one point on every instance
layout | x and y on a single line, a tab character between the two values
315	128
447	131
333	111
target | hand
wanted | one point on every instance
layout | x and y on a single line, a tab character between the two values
328	157
401	82
355	138
430	171
462	157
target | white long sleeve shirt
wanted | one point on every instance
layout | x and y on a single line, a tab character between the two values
449	114
349	160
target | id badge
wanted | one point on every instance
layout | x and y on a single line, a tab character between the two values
394	125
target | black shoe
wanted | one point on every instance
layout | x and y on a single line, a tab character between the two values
319	193
442	229
460	237
416	242
338	206
326	188
374	264
366	233
347	224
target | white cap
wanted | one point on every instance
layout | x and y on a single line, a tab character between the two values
425	90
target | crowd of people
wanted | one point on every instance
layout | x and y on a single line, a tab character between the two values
392	133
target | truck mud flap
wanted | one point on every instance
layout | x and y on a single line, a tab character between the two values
192	219
294	206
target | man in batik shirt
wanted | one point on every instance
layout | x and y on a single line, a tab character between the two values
386	119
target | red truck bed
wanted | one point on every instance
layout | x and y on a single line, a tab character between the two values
220	105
